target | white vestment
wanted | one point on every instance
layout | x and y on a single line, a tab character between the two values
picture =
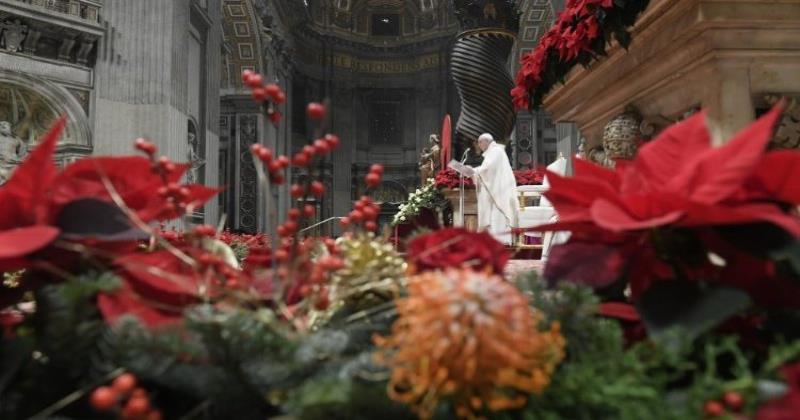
496	189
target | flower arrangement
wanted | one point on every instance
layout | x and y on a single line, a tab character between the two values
675	297
529	176
449	178
426	197
579	35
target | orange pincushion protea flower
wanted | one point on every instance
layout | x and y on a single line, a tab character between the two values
471	338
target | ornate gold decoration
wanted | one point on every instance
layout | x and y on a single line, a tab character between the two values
373	273
621	135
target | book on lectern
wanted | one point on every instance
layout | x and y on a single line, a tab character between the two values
459	167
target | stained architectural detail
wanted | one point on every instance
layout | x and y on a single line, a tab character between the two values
247	182
12	150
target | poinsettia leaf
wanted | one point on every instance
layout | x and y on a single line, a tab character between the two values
777	176
13	355
762	239
790	254
99	219
124	302
18	243
718	173
692	307
619	310
663	157
600	265
612	217
26	190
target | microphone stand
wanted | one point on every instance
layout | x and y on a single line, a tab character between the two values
461	192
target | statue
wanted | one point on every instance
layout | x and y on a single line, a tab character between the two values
13	34
195	161
12	150
429	159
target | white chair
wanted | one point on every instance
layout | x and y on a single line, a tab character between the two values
536	210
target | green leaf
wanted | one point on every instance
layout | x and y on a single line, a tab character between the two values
13	354
789	254
693	308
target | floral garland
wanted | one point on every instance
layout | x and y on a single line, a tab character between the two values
579	36
426	197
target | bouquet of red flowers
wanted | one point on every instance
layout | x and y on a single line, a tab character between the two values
529	176
449	178
457	248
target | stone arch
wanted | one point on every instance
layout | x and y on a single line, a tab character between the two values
31	104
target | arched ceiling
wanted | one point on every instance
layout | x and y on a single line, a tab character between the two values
382	21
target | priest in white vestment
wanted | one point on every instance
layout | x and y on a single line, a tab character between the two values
496	189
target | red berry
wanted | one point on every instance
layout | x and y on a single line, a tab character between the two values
344	221
371	226
315	111
281	230
370	213
247	74
145	146
296	191
356	215
255	147
332	140
124	383
308	149
272	90
136	407
713	408
733	400
376	168
103	398
300	159
373	179
139	393
277	179
279	98
281	255
290	226
264	154
274	116
317	188
273	167
259	94
321	147
155	415
294	214
309	210
254	81
283	161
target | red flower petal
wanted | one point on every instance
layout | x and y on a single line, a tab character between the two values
611	217
16	244
717	173
25	193
618	310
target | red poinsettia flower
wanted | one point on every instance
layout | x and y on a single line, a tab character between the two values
678	181
449	178
37	194
529	176
158	286
458	248
787	406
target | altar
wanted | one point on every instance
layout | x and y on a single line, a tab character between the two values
470	220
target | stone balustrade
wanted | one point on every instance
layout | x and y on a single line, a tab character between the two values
84	9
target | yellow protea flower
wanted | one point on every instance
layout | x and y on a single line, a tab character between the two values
471	338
